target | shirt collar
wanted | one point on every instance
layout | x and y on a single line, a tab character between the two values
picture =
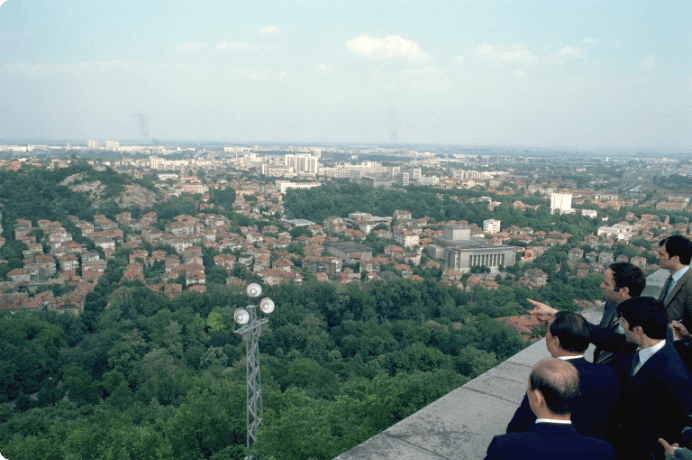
567	358
552	420
678	274
646	353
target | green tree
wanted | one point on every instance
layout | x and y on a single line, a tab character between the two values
126	354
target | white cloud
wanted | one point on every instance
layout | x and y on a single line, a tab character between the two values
460	59
648	63
589	40
269	30
239	46
191	46
389	47
514	54
323	68
570	52
1	2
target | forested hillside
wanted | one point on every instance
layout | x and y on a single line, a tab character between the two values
35	193
318	203
142	376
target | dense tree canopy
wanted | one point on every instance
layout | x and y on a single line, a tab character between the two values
318	203
149	376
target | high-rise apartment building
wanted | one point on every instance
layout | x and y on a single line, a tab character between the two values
560	202
301	163
112	145
154	162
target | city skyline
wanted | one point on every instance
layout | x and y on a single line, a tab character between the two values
584	76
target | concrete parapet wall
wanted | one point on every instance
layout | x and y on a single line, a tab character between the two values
461	424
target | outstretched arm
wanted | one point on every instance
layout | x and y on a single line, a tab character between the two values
542	311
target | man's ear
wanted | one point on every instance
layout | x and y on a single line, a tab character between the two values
556	342
625	291
538	397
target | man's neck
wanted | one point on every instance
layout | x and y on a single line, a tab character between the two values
647	342
622	300
676	269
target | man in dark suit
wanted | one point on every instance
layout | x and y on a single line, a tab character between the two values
621	281
655	385
674	254
552	389
567	338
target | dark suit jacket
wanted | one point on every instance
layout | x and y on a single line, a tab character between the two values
549	441
654	403
593	413
684	349
679	304
610	321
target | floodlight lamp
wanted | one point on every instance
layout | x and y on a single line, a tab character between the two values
253	290
241	316
266	305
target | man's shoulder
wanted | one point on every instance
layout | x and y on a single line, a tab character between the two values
587	369
687	274
553	439
669	364
686	280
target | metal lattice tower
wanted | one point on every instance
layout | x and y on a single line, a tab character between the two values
250	331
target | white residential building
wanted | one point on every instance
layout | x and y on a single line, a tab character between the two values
561	202
283	185
622	231
301	163
491	226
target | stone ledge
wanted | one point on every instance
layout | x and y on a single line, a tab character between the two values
462	423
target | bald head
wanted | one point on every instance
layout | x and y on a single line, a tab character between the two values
558	382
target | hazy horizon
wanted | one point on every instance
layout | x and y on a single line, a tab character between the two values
585	76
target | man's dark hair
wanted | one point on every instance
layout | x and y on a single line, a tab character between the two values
630	276
558	382
573	331
680	246
648	313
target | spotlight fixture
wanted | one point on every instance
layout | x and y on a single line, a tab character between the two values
253	290
266	305
241	316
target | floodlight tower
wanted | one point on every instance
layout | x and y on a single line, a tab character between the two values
251	329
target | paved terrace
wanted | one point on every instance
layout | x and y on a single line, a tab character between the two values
461	424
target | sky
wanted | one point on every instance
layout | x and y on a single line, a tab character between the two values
587	74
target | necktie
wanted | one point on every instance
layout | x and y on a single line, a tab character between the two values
635	363
666	288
